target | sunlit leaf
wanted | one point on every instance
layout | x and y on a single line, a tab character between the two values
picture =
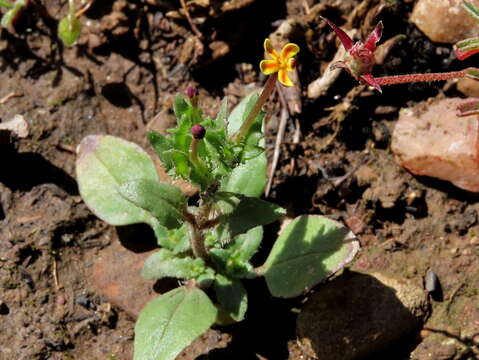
171	322
308	250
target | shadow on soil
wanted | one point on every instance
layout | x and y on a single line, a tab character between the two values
23	171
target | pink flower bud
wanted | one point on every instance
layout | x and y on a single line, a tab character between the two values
198	131
191	92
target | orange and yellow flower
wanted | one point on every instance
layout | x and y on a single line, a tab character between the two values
281	63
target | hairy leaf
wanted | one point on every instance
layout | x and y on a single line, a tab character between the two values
103	164
308	250
232	296
164	201
241	213
171	322
165	263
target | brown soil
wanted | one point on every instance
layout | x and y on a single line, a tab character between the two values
120	79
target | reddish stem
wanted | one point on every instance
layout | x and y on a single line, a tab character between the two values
411	78
265	94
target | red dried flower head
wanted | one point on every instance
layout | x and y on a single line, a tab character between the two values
360	60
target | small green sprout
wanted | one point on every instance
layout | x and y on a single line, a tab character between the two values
211	243
69	27
15	9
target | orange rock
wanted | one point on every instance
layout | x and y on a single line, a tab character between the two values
431	140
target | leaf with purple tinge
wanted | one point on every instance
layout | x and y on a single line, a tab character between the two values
308	250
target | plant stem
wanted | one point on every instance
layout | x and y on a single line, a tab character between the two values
194	153
198	242
6	4
265	94
411	78
197	239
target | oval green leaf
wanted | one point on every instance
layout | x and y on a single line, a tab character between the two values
250	177
308	250
69	29
164	201
164	263
103	164
171	322
232	296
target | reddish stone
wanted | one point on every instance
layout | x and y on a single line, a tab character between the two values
432	140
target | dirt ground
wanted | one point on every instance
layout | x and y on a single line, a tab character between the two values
334	159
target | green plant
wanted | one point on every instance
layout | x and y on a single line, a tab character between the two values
69	27
210	244
13	12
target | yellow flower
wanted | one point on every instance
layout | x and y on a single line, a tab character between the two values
281	63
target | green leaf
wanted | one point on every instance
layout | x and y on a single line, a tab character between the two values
6	4
177	240
165	202
308	250
232	296
249	178
472	9
234	258
10	16
246	245
165	263
103	164
171	322
240	112
240	213
222	113
161	144
69	29
180	106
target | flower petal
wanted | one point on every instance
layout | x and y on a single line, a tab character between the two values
371	81
345	39
291	64
269	49
284	78
288	51
374	37
268	67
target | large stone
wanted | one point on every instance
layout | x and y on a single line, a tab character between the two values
430	139
357	314
116	275
445	20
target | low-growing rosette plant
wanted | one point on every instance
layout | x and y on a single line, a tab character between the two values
209	244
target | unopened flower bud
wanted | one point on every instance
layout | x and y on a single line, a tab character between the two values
198	131
191	92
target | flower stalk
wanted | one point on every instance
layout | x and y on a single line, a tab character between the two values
412	78
278	68
264	96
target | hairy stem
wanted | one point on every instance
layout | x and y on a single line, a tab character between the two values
411	78
198	243
265	94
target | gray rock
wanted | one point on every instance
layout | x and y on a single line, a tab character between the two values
358	314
